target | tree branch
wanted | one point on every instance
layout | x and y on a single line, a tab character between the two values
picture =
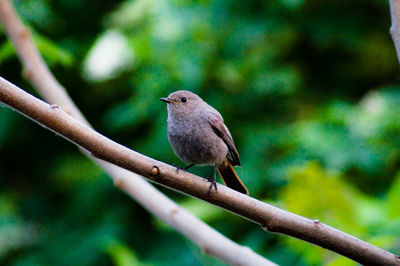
271	218
173	214
394	29
210	241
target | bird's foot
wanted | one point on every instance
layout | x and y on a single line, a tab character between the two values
182	168
213	183
177	167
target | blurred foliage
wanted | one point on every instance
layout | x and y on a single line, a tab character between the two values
308	89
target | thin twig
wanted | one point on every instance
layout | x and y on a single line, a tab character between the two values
395	28
209	240
271	218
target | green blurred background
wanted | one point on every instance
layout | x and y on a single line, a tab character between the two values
309	90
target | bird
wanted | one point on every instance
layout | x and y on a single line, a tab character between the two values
198	136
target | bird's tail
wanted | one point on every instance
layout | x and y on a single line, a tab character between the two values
231	179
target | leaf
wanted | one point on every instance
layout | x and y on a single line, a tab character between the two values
317	194
122	255
393	196
6	52
52	52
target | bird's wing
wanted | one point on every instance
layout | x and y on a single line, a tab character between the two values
217	124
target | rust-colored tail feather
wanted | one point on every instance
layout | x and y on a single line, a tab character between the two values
231	179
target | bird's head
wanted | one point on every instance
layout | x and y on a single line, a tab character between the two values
181	102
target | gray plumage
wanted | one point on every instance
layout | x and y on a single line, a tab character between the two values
196	131
198	135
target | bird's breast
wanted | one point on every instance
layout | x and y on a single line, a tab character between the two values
194	141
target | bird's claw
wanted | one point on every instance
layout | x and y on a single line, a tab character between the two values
182	168
213	182
177	167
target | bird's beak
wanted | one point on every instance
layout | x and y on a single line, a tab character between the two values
167	100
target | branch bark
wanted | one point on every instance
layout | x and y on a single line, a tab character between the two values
274	220
209	240
394	29
269	217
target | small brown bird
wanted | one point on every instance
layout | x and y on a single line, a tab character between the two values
198	136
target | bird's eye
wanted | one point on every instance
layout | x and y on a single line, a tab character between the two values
183	99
